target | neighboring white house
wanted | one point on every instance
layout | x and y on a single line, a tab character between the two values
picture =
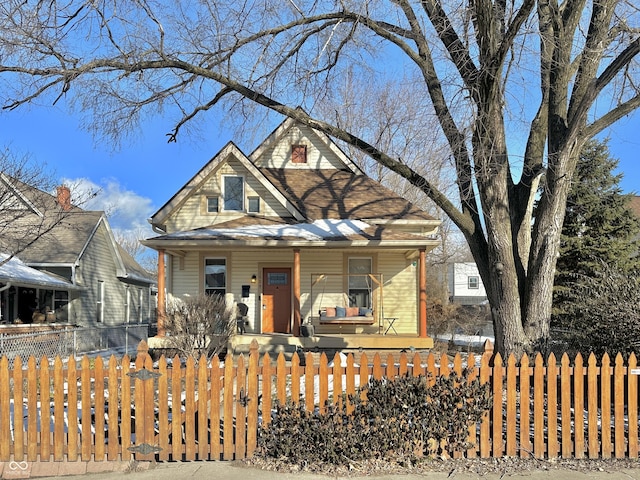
465	284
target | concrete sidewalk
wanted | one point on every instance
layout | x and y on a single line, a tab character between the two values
240	471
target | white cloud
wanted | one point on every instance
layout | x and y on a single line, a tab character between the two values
125	209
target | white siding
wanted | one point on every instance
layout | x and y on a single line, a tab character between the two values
458	280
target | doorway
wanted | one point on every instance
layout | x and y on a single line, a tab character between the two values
276	300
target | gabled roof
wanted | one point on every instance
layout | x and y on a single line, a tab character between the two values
59	238
289	123
192	185
321	194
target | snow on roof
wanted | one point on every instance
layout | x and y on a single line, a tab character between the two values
318	230
16	271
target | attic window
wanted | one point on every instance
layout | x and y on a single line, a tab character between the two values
253	204
233	193
299	153
212	204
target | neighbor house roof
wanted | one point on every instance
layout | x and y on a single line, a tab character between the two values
15	271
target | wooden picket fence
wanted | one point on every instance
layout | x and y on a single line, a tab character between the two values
198	410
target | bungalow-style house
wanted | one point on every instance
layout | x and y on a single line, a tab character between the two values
61	264
302	240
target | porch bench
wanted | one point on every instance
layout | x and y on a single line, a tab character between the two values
346	316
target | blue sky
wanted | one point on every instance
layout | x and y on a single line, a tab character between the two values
145	172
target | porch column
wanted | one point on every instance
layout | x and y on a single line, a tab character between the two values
296	293
162	313
422	285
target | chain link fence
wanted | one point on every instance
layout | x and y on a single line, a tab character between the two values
76	341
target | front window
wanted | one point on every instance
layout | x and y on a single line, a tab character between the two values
474	282
360	282
233	193
215	276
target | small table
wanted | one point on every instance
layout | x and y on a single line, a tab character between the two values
389	323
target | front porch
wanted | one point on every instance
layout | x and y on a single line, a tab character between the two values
276	343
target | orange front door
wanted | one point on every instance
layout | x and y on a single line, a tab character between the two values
276	300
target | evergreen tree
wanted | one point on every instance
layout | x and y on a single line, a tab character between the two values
600	235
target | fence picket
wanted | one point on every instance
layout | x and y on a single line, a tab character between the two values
127	415
565	406
72	413
618	408
538	408
163	410
578	403
58	410
496	417
32	410
45	409
228	430
552	406
605	406
86	436
98	383
525	407
252	397
592	406
18	400
190	410
241	410
216	405
5	411
632	405
203	413
177	417
485	444
511	405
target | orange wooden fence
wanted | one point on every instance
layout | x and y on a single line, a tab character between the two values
198	410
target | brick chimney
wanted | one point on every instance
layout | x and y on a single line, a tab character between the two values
64	197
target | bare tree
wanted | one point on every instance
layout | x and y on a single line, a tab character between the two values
199	325
495	74
129	240
27	209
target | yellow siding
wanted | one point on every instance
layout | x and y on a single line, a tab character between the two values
400	291
319	156
399	276
193	212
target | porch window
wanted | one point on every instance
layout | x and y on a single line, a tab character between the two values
60	302
233	193
359	282
473	282
215	276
